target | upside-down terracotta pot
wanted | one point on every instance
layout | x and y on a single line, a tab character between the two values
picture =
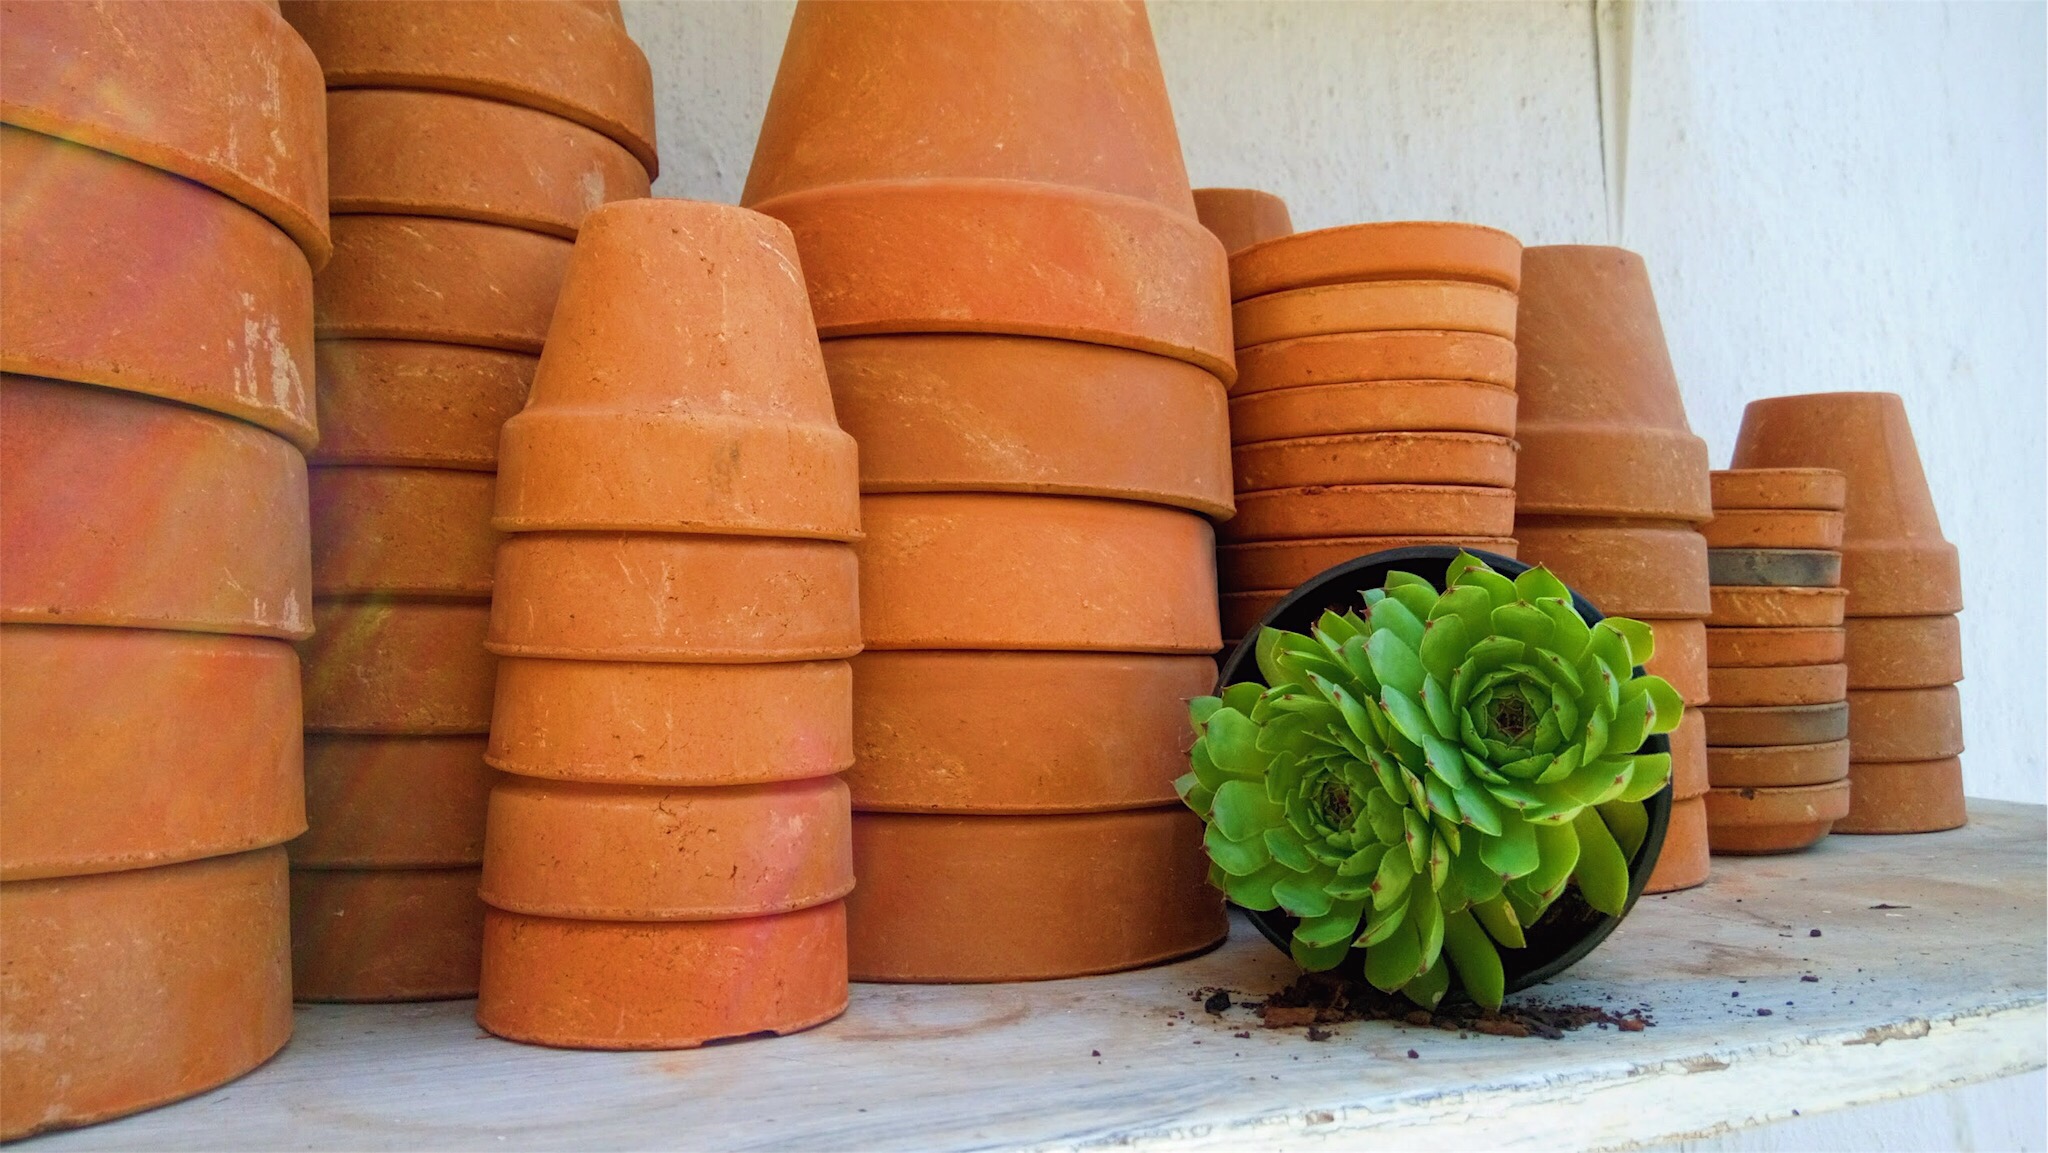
393	802
1905	724
448	281
1762	606
1904	652
1372	510
1782	488
963	899
1751	648
1780	820
1680	656
1241	610
1780	685
1373	406
1347	357
1762	725
1778	766
1690	775
223	321
1684	863
1652	570
1286	564
422	532
131	989
1377	458
415	404
1242	217
398	667
1395	250
1375	306
385	934
123	510
1773	528
967	413
1000	571
1774	567
1905	797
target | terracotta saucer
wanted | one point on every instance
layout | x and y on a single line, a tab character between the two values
1345	357
1393	250
1755	648
1753	488
1773	567
1371	510
1778	766
1377	458
1375	306
1373	406
1774	528
1768	725
1780	685
1763	606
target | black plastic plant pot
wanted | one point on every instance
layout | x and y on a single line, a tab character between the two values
1570	928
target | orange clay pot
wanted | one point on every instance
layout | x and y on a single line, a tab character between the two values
125	748
1289	564
1684	862
568	59
1762	725
1681	657
672	724
407	403
122	510
1035	572
674	597
411	531
1905	797
1372	510
1773	528
1373	406
1345	357
398	667
385	934
1755	820
1905	724
1778	766
1243	609
1242	217
1783	488
224	321
394	803
1781	685
1375	306
1904	652
127	990
1377	458
1755	648
1762	606
1689	766
448	281
660	984
683	390
965	899
226	95
1397	250
941	733
1650	570
963	413
1774	567
439	154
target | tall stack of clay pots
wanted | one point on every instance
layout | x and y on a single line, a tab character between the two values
1027	332
1242	217
165	207
1612	485
676	600
1904	644
467	141
1777	747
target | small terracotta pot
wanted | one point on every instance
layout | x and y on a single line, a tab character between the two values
1372	510
1774	568
1377	458
123	510
398	667
1763	606
1375	306
978	571
1757	648
406	403
1243	609
1288	563
1587	470
1396	250
568	59
385	934
451	281
1347	357
126	748
394	803
1754	488
422	532
1680	657
1901	578
1765	725
1242	217
1904	652
1773	528
439	154
127	990
966	899
1373	406
1649	570
1905	724
675	597
225	323
1690	774
1782	685
965	413
1759	820
1905	797
1684	862
1778	766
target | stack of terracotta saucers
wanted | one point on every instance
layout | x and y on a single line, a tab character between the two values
468	141
1027	334
165	207
1375	401
1774	656
1242	217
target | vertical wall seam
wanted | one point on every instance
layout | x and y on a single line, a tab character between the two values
1614	35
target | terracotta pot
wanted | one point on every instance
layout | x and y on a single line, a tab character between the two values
1782	685
1773	528
224	321
1347	357
439	154
1375	306
1754	726
1755	648
1243	609
1242	217
130	747
1763	606
1377	458
406	403
965	899
568	59
1778	766
1755	488
1681	657
452	281
127	511
409	531
1904	652
674	597
398	667
963	413
1905	797
1372	510
1373	406
1287	564
1753	820
1905	724
1395	250
1901	580
1684	862
1774	568
385	934
226	95
660	984
131	989
394	803
1032	572
1648	570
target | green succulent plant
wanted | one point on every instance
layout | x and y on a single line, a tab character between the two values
1425	777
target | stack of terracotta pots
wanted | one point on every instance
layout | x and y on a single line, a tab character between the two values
1027	332
675	604
1904	644
1774	656
165	207
1612	486
1242	217
468	141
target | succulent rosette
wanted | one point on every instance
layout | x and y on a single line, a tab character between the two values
1423	778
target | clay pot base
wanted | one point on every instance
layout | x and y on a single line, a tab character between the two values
423	532
1755	820
1354	357
1375	306
660	984
1773	528
1756	488
1242	217
398	667
1643	570
1905	724
385	934
1684	862
1778	766
450	281
1373	406
1904	652
144	986
1242	610
1680	657
1782	685
1736	606
1905	797
1372	510
1377	458
1291	563
1753	726
1777	568
1690	775
405	403
968	899
1756	648
1902	578
393	803
1599	470
1396	250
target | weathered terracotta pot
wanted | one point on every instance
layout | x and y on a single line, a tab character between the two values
1651	570
385	934
422	532
1377	458
568	59
1680	658
674	597
1395	250
660	984
1774	567
975	571
398	667
1375	306
408	403
1905	797
122	510
226	95
1783	820
1373	406
1289	563
1753	648
1243	609
1762	606
225	323
1782	685
394	803
127	990
1904	652
1347	357
1753	726
1778	766
1372	510
1242	217
1905	724
1773	528
1690	775
1786	488
451	281
965	413
965	899
1684	863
